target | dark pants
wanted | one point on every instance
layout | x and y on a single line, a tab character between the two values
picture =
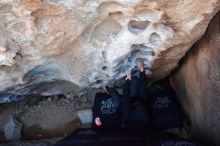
135	110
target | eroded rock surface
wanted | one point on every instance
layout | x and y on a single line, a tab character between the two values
50	46
197	84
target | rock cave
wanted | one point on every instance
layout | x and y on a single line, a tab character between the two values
66	50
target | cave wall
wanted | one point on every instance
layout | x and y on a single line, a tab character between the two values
50	46
197	83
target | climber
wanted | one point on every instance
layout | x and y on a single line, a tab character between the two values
135	101
129	111
106	109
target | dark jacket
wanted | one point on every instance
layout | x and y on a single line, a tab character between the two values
108	110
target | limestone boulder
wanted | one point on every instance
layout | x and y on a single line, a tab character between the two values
12	129
50	46
197	84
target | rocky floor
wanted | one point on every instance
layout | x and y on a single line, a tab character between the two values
46	117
